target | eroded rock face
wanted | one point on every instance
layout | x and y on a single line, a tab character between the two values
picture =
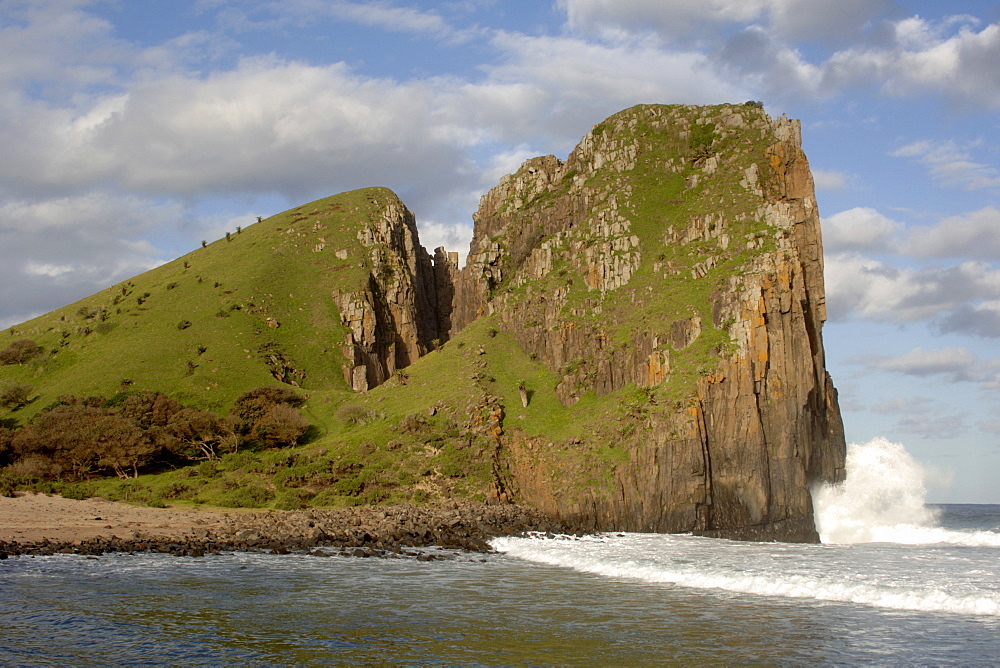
396	317
677	248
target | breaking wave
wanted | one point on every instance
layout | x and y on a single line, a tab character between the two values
883	500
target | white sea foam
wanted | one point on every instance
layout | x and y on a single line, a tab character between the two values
883	547
834	574
882	500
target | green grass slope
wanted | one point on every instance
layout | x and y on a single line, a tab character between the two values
197	328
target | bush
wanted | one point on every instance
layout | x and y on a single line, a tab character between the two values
249	496
281	425
15	396
253	405
19	352
356	415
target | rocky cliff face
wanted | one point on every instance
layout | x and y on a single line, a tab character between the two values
677	249
395	317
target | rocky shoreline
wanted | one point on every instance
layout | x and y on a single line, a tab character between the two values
373	531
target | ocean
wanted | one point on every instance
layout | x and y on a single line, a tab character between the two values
896	581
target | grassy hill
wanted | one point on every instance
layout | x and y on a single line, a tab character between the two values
638	342
198	329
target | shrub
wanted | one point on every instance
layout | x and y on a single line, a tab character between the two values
15	396
355	415
413	423
281	425
251	406
19	352
183	324
248	496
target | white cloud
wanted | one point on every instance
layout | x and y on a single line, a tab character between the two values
674	19
952	364
974	235
950	164
57	251
989	426
981	319
953	57
56	43
830	180
454	238
826	20
862	287
386	16
589	76
860	228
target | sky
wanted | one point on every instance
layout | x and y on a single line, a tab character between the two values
133	130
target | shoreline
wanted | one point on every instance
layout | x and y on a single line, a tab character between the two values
37	524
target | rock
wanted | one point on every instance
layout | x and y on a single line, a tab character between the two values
405	304
760	424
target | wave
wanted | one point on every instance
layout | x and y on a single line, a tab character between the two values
799	572
883	500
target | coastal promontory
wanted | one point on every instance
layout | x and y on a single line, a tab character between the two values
634	343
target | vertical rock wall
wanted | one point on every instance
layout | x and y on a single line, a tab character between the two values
395	318
677	248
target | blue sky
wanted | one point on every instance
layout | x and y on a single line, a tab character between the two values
133	130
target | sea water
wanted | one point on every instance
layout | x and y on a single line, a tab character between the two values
894	582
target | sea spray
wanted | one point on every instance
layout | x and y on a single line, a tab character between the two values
881	499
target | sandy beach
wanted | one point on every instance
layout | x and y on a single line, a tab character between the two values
29	518
40	524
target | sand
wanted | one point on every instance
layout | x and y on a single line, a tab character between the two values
29	517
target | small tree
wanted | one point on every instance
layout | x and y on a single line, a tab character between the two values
280	426
253	407
17	396
19	352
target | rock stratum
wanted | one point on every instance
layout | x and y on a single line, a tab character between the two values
677	249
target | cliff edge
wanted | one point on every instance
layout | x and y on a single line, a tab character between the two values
678	250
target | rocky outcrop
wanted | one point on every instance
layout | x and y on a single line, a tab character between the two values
405	304
676	249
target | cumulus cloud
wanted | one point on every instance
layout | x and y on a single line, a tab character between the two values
981	319
57	43
57	251
952	364
975	235
860	228
383	15
989	426
950	164
826	179
826	20
768	41
863	287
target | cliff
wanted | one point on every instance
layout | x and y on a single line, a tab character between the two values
677	249
396	315
634	343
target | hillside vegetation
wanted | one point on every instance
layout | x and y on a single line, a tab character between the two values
634	343
197	330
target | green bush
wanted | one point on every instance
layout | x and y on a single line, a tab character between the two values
248	496
353	414
19	352
15	396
